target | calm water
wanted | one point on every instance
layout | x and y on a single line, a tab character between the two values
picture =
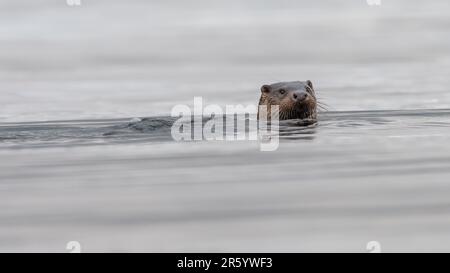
76	167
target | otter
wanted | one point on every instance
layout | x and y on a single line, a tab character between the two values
296	100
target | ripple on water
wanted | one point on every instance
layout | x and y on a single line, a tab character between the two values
156	129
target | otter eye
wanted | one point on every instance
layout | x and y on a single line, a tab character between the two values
282	91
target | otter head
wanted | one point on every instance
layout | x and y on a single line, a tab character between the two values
296	100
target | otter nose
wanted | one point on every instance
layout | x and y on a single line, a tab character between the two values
299	96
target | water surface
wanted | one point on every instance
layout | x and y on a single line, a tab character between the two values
76	166
121	185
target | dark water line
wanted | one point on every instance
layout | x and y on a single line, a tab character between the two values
326	114
158	129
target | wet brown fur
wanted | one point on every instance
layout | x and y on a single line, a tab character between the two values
288	107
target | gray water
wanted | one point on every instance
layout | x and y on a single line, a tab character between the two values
75	166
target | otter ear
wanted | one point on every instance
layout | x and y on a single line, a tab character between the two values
309	83
265	88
